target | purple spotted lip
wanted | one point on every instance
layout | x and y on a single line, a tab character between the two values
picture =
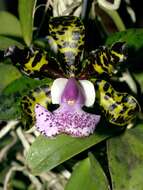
69	118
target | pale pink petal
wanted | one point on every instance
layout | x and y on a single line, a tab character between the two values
76	123
44	121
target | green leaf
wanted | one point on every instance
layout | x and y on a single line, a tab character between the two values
133	38
8	73
11	96
134	42
125	154
9	24
82	177
134	47
85	176
5	42
139	78
26	10
45	153
98	174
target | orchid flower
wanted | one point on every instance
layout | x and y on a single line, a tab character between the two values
75	82
69	118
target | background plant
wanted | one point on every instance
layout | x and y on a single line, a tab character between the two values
112	158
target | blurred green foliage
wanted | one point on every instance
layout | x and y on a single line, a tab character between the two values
122	148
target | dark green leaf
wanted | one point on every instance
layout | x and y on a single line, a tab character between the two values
26	10
87	175
8	73
98	174
82	177
134	42
9	25
42	43
133	38
11	96
125	154
46	153
139	78
5	42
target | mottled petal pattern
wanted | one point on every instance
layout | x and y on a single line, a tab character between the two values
34	62
68	33
118	108
104	61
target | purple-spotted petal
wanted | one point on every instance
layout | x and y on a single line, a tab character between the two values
76	123
45	121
